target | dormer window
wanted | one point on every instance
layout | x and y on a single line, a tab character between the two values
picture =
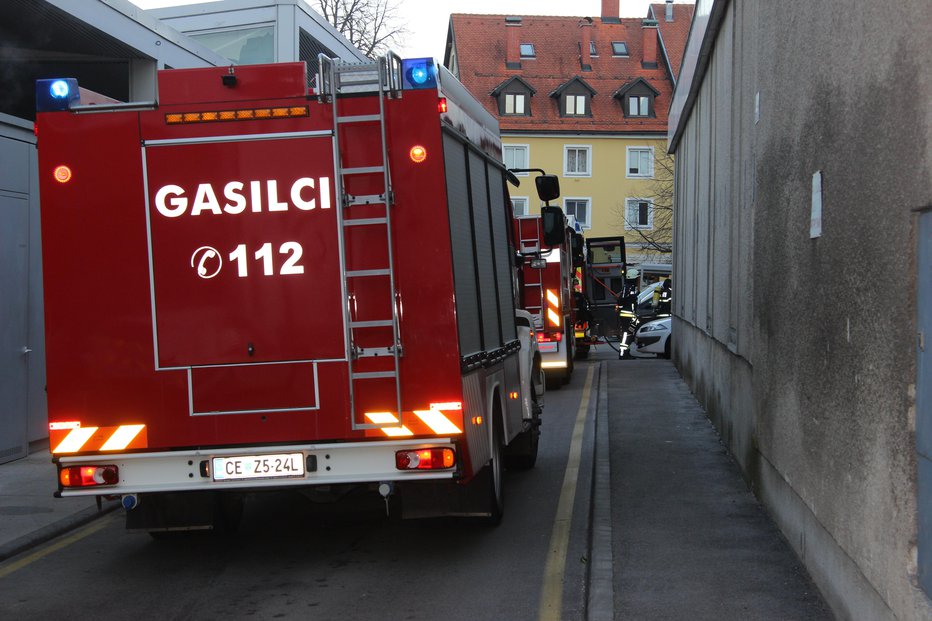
575	105
514	97
515	103
637	99
527	50
574	98
638	105
619	48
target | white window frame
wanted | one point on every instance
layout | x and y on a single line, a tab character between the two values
518	100
641	102
587	223
525	201
574	102
629	203
585	147
641	174
527	156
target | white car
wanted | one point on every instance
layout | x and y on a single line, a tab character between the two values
654	338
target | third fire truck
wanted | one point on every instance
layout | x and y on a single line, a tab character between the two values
253	285
546	243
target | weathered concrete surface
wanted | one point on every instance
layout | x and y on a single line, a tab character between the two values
801	349
690	540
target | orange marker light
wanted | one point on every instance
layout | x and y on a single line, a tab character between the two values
62	174
418	154
442	105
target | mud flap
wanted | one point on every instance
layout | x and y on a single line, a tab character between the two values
173	512
427	499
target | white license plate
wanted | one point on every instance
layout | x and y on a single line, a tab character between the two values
280	466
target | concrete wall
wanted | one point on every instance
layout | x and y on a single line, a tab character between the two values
803	350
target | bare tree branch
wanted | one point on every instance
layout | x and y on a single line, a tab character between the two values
659	237
371	25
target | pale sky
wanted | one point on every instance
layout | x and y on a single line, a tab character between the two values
427	20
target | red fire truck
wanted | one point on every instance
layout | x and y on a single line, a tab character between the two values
253	285
546	242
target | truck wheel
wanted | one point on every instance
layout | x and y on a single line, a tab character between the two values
522	452
582	352
496	480
568	374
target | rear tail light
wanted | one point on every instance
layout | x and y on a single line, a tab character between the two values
425	459
89	476
543	337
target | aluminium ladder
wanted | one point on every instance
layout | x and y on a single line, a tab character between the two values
335	80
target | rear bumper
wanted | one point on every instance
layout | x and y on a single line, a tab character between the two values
181	471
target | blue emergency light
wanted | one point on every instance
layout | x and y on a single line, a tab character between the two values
419	73
57	94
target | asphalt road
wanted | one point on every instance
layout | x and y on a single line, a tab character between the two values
346	561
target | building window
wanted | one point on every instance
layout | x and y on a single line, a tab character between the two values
516	156
638	105
619	48
579	209
592	51
640	162
514	103
575	105
576	161
527	50
639	213
519	205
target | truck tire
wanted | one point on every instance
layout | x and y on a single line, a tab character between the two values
582	352
522	452
568	374
496	480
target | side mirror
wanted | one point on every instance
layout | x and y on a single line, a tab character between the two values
548	187
553	223
579	250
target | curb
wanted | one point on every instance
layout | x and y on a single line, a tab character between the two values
56	529
601	600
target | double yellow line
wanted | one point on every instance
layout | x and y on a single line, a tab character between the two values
551	596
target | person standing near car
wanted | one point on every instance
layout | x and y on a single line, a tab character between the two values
627	315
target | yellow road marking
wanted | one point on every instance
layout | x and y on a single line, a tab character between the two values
100	524
551	596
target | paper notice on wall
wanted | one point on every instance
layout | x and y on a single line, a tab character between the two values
815	223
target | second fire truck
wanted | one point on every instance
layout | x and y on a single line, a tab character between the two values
546	242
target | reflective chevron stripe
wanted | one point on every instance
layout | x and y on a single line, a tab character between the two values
89	439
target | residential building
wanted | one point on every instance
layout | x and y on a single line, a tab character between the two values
584	98
803	263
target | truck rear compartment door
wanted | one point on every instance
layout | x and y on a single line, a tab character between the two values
243	236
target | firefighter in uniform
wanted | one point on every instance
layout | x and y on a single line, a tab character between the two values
664	297
627	317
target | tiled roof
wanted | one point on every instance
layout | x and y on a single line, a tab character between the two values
479	42
675	33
